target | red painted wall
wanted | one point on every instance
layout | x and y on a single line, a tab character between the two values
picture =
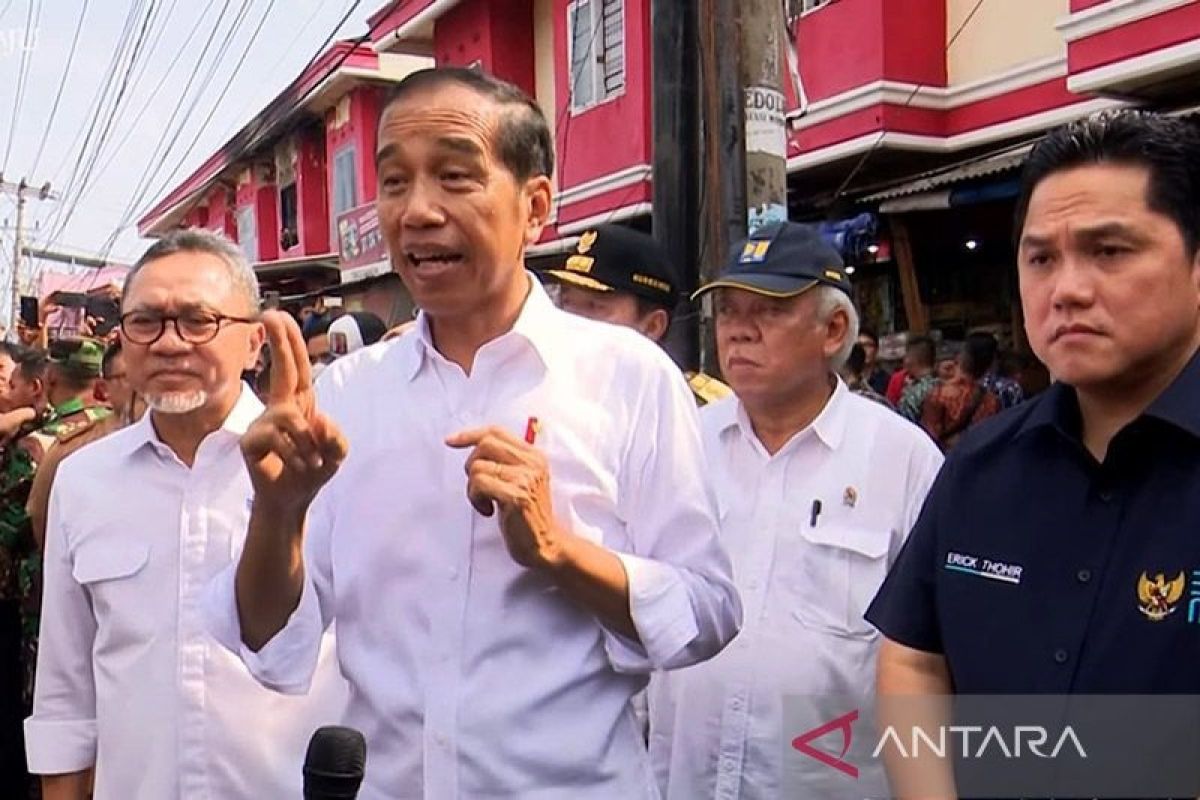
1080	5
496	33
360	130
843	45
220	213
1146	35
312	193
616	134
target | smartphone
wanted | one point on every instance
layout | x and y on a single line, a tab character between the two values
71	299
29	312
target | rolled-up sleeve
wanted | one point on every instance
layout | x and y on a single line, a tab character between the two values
681	594
60	737
287	662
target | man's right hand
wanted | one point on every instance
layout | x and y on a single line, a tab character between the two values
292	450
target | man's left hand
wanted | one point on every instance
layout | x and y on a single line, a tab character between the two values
505	472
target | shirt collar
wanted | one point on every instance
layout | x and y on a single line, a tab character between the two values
829	426
538	323
72	406
247	409
1178	405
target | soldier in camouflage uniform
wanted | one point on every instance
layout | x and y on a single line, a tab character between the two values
621	275
68	410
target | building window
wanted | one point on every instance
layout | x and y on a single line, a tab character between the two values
596	49
247	232
345	184
289	225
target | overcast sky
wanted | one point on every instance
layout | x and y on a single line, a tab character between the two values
91	213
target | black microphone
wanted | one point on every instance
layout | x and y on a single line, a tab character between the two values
333	766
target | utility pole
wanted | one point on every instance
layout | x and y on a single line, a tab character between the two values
723	198
676	186
21	190
762	28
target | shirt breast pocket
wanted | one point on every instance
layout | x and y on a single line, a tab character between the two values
836	573
108	570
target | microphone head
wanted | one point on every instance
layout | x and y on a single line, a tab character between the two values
333	766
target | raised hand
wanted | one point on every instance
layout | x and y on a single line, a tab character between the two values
507	473
292	450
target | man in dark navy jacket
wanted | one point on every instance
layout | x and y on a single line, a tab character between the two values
1059	549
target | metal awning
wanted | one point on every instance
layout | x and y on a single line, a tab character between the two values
931	187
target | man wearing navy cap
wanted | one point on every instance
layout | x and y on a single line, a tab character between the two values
817	489
623	276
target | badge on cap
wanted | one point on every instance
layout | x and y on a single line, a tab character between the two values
755	252
586	241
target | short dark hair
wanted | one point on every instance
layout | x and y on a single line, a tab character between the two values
857	360
110	355
522	141
923	350
31	363
1167	147
870	334
317	325
647	306
76	377
979	353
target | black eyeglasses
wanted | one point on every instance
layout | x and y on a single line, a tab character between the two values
193	327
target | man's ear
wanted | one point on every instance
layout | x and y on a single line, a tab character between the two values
836	331
538	198
258	336
655	324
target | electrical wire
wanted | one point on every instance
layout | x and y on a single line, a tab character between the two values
62	84
32	17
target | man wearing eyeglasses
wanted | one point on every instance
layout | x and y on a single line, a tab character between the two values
128	681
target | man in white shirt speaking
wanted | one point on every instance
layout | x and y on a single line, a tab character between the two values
521	530
128	679
817	489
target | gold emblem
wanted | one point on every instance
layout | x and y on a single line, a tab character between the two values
833	275
586	241
1159	596
850	497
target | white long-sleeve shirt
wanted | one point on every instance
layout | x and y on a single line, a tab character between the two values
472	676
719	730
128	678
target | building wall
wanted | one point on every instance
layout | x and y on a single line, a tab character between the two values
1001	36
545	90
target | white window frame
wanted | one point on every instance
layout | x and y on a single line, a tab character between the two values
812	6
334	212
596	9
249	215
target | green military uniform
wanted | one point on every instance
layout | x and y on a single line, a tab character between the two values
615	258
18	464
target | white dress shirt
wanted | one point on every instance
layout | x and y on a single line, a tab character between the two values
128	677
717	728
470	675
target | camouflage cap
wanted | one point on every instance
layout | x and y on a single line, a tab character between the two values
87	357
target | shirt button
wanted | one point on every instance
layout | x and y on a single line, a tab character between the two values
1061	656
735	704
1084	575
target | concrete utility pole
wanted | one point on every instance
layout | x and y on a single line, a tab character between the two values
762	30
21	191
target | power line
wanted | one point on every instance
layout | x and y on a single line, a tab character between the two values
32	17
279	114
62	84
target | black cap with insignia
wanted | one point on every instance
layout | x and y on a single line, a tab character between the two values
782	260
614	258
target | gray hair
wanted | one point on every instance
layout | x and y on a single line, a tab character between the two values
201	240
829	301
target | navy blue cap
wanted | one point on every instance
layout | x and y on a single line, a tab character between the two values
781	260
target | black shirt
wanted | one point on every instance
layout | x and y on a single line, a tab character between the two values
1035	569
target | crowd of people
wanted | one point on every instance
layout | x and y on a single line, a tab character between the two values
522	554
